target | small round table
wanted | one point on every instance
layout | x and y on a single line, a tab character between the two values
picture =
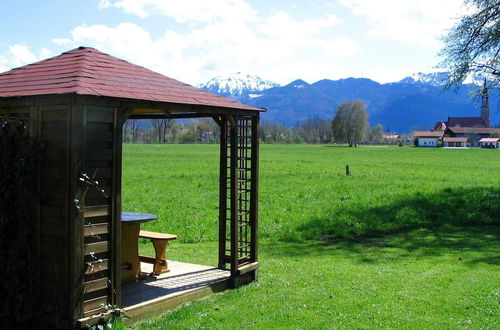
131	225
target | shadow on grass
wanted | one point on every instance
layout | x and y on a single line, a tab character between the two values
455	207
465	220
468	245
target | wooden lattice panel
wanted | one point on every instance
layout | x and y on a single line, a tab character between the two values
238	232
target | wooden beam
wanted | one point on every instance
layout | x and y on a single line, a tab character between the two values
219	120
96	247
222	193
96	285
234	197
96	211
183	108
248	268
93	306
254	193
232	120
116	207
96	266
75	217
169	115
96	229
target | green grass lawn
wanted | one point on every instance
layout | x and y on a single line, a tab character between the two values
413	235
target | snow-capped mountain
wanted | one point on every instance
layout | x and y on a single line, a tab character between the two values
433	78
416	101
237	84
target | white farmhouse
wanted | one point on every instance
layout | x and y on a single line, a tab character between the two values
430	139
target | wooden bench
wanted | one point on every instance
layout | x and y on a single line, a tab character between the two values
160	242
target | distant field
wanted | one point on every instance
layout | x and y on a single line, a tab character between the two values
304	191
413	235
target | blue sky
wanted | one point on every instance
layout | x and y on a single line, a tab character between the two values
195	40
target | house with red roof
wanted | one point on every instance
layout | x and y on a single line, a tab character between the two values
474	134
473	129
482	121
429	139
455	142
493	143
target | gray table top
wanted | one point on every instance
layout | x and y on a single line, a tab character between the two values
137	217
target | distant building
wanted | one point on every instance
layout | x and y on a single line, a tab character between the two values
428	139
493	143
455	142
472	128
481	122
475	134
439	126
391	136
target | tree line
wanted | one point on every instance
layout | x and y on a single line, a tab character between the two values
349	125
171	131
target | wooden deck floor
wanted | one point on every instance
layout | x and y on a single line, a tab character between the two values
184	282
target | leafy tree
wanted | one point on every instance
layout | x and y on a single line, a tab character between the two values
275	133
314	130
376	134
161	126
472	47
350	122
207	130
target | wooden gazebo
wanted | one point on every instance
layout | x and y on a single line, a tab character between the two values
76	104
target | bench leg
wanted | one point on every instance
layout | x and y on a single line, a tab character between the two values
160	265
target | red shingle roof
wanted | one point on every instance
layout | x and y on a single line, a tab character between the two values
425	134
455	139
474	130
466	122
87	71
489	140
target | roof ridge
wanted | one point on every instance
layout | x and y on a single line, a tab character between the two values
88	71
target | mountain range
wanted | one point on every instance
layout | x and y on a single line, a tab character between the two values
237	84
417	101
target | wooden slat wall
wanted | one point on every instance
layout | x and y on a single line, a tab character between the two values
65	124
99	165
54	133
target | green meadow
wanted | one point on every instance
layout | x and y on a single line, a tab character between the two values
410	239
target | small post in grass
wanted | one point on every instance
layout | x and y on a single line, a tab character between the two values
347	170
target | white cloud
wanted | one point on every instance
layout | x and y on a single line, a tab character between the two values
19	55
282	25
341	47
376	39
291	36
418	22
44	53
129	41
189	10
221	41
3	64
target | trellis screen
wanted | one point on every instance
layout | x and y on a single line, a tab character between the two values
239	145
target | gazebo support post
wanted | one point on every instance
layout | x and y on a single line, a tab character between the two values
222	193
233	145
254	204
238	197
